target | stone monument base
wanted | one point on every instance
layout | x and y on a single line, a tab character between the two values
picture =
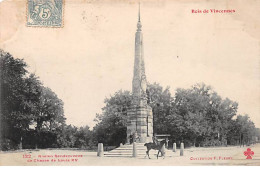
140	124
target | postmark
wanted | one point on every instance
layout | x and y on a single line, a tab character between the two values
45	13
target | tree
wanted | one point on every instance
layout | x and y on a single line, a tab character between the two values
111	124
197	116
160	100
242	131
48	118
188	113
200	116
15	118
30	113
66	138
83	137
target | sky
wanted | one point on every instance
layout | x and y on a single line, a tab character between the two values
92	56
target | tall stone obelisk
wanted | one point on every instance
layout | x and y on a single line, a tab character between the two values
139	116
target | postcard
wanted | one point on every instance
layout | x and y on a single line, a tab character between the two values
129	83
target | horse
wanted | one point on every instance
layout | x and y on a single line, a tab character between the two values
154	146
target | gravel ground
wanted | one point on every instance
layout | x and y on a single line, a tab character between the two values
193	156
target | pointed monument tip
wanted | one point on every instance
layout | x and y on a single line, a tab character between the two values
139	25
139	17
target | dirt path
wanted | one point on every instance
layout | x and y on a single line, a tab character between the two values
240	158
193	156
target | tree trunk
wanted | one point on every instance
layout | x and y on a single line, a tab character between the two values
194	142
21	143
240	140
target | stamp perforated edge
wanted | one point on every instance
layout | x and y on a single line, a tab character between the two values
40	26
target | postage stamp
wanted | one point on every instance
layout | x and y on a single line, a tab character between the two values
45	13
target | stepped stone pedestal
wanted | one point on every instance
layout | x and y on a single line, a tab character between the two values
127	151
